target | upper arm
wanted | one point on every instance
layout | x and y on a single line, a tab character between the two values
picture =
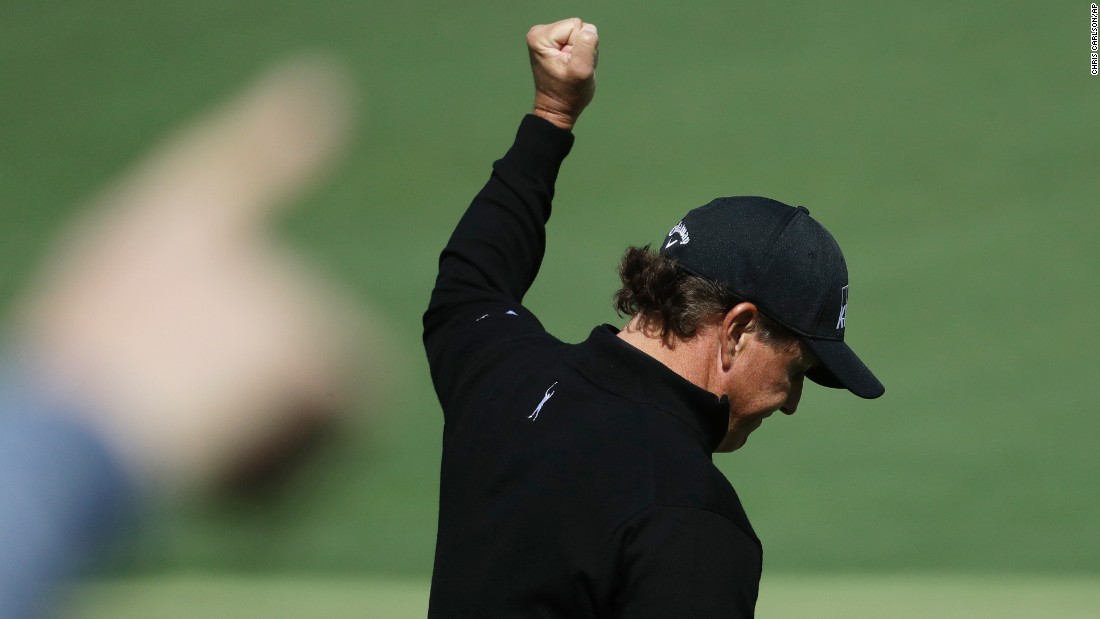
476	337
686	562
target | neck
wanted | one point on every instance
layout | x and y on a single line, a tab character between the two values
687	357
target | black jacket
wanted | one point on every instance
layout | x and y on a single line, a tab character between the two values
577	479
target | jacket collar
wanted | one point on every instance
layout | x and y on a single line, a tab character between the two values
622	369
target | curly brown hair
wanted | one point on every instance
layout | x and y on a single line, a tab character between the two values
657	288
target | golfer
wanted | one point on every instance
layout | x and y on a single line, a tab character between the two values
577	479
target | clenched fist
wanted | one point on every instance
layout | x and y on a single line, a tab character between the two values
563	62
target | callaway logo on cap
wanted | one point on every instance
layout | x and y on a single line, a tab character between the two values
786	263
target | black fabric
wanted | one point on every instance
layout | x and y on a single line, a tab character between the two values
576	480
788	265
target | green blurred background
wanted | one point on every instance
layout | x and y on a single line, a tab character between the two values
951	147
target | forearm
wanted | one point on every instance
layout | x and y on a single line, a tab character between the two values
497	248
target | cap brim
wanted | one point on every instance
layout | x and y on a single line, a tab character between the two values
840	368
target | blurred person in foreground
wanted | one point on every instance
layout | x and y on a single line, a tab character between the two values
169	344
577	480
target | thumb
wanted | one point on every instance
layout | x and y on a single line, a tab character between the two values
585	54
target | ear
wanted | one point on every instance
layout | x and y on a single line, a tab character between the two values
735	327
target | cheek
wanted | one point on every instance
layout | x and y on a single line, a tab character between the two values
759	394
763	385
781	383
775	389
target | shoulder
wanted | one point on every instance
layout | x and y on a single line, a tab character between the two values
683	561
688	479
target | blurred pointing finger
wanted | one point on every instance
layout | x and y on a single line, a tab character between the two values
232	166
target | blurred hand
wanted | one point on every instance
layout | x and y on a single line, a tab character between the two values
167	315
563	62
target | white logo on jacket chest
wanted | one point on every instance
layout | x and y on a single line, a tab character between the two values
546	398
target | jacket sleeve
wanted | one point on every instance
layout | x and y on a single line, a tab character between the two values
493	257
685	562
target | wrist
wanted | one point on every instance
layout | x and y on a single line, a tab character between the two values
558	119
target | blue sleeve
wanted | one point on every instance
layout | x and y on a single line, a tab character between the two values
62	493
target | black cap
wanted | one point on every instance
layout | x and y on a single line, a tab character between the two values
780	259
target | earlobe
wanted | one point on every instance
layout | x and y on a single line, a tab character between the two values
727	350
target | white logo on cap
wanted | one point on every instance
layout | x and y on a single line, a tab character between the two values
679	230
843	307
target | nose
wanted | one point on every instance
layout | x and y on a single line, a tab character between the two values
791	405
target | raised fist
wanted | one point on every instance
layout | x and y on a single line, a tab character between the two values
563	63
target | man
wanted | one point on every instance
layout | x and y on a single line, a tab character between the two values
577	479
